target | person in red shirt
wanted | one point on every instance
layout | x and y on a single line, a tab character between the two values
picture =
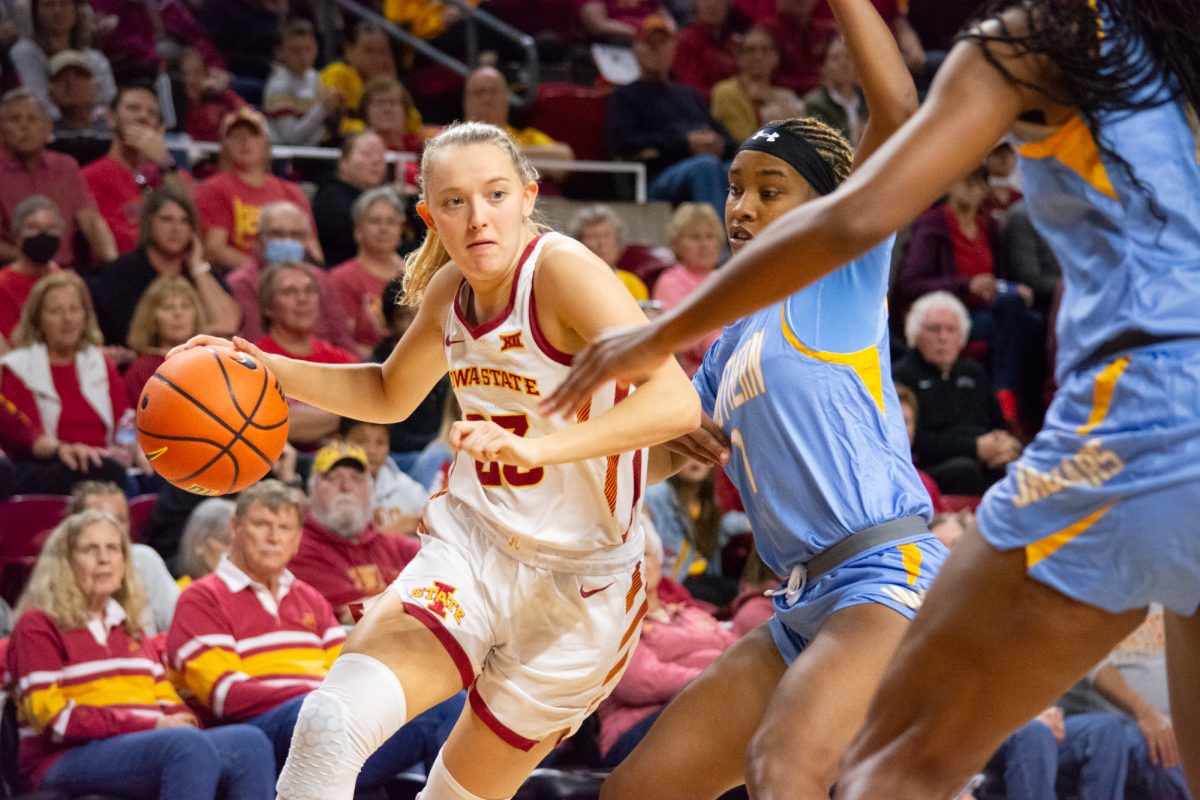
96	709
27	168
359	282
209	97
137	162
342	555
290	300
230	201
958	247
61	380
37	229
706	50
285	234
617	20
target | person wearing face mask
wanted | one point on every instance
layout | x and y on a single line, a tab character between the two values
231	201
342	555
285	236
37	230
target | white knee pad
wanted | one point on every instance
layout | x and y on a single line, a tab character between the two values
440	785
357	707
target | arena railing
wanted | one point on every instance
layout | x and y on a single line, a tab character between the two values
472	17
195	150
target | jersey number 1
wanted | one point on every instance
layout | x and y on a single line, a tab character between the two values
493	473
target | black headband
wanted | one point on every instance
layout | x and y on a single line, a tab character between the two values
795	150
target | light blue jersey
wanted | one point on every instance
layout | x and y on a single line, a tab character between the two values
1130	255
1103	501
803	389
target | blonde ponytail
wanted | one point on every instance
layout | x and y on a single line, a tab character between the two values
421	265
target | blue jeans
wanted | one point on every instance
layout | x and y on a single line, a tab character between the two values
1092	760
1012	330
703	179
427	463
1146	781
418	742
628	740
174	763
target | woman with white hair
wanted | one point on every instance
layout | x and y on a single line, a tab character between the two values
205	539
97	712
961	438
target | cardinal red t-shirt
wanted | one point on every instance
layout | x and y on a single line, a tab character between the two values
226	201
14	290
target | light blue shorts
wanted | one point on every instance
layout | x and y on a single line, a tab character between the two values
896	575
1106	500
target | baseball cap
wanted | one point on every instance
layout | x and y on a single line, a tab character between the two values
244	116
652	24
69	58
336	454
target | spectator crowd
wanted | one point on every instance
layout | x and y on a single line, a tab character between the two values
170	657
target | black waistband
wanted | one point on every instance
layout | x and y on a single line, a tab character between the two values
1132	340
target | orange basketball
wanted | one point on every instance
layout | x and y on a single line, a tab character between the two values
212	420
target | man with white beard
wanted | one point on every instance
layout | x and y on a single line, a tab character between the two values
341	553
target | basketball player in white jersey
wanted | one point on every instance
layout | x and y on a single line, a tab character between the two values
527	588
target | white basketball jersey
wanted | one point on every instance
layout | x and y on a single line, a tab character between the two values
500	370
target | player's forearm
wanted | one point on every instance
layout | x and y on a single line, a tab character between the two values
662	408
348	390
886	82
769	269
1112	686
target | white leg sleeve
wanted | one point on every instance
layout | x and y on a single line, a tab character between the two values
357	707
440	785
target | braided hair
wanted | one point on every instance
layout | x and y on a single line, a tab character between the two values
1109	55
828	141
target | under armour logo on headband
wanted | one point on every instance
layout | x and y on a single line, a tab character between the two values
763	134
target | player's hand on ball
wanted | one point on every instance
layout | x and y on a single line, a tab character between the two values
630	355
487	441
204	340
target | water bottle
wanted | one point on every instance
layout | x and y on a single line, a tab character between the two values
126	433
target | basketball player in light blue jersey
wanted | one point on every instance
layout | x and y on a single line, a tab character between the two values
801	408
1097	519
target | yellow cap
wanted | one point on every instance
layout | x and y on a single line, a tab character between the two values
336	453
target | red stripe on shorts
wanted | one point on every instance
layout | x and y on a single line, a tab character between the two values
506	734
457	654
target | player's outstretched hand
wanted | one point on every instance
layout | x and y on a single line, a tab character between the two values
204	340
487	441
630	355
707	444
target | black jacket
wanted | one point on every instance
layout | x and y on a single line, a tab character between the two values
954	409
